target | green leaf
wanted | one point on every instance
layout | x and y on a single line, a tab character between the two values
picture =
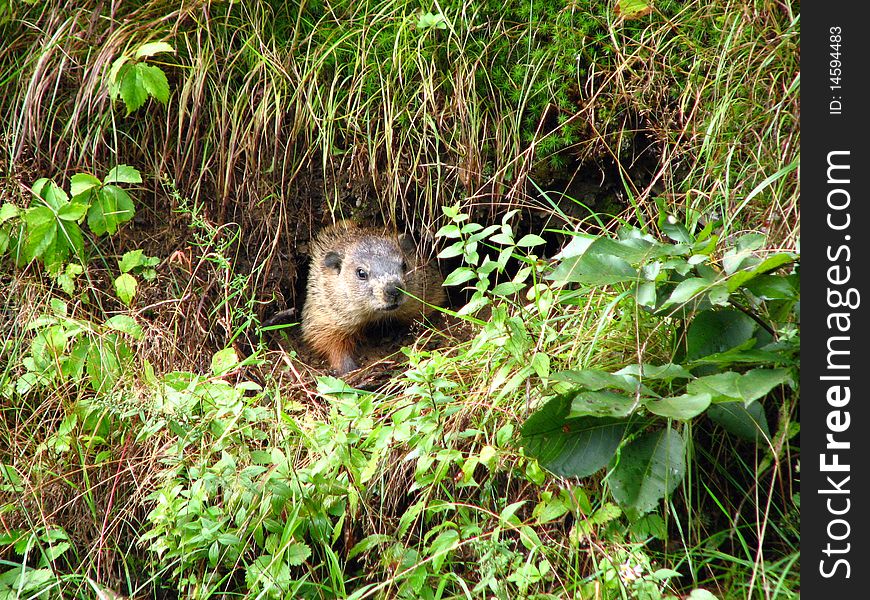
714	331
665	372
771	263
154	81
81	183
123	174
686	290
441	546
224	361
9	211
125	324
685	407
296	553
746	422
595	379
133	91
601	404
570	447
593	269
531	240
152	48
649	468
41	232
112	206
125	288
460	275
72	211
131	260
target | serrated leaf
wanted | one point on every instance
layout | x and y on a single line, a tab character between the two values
154	81
441	546
132	90
81	183
649	468
593	269
152	48
125	288
296	553
123	174
131	260
41	235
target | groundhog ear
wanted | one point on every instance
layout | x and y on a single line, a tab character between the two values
407	244
332	260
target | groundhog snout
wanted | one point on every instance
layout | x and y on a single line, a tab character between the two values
393	293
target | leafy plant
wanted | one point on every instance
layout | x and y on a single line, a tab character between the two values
737	344
133	80
49	229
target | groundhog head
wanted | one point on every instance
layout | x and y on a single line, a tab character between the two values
372	272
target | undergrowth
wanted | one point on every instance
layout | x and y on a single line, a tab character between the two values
611	190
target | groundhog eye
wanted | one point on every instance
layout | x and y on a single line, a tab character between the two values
361	273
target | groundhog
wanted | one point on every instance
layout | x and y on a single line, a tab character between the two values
361	276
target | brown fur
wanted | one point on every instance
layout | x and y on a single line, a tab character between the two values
356	279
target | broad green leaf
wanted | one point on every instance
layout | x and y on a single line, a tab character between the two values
666	372
112	206
131	260
460	275
52	194
223	361
757	383
123	174
570	447
686	290
41	232
601	404
69	235
154	81
593	269
578	245
133	91
740	278
645	295
81	183
531	240
722	387
9	211
684	407
125	324
449	231
125	288
72	211
595	379
714	331
296	553
746	422
775	287
152	48
441	546
649	468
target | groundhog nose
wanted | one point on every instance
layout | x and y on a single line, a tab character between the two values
392	291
